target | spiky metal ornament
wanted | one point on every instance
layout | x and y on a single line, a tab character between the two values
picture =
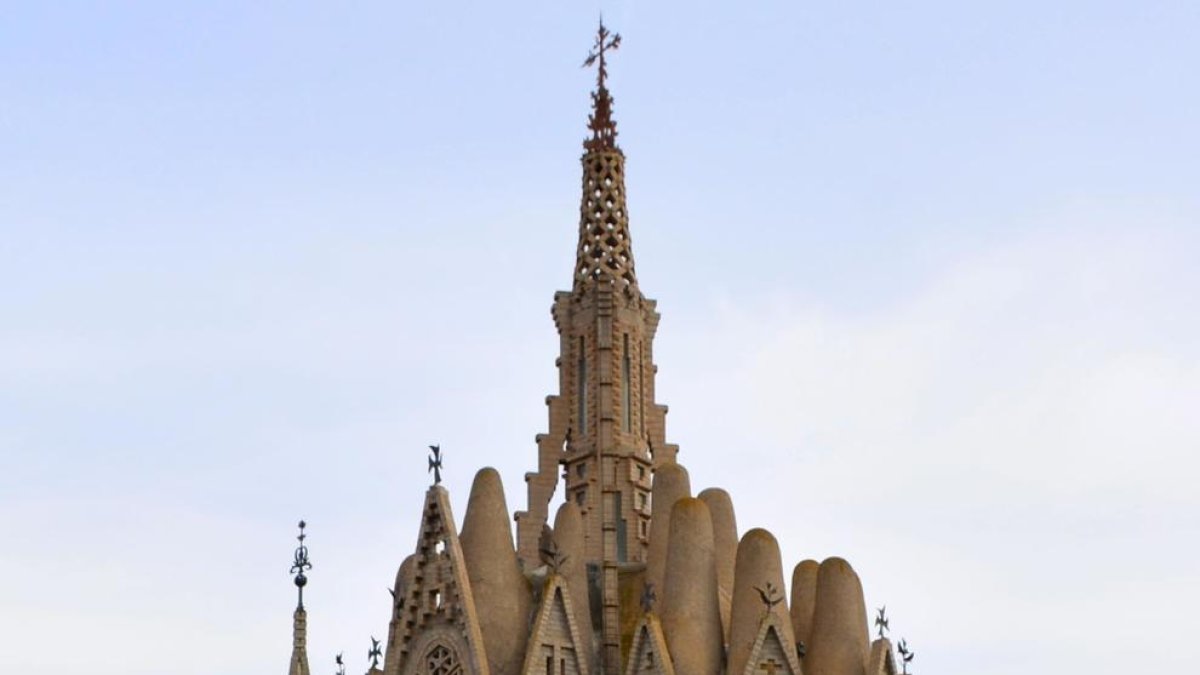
300	565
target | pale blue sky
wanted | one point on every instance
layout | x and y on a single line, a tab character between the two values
927	275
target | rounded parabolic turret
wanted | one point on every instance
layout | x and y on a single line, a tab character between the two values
839	635
804	597
758	570
502	595
725	542
671	483
691	614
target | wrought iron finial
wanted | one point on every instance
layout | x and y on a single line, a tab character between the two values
341	666
603	44
881	621
375	653
435	463
769	595
906	655
801	649
549	552
649	597
604	129
301	564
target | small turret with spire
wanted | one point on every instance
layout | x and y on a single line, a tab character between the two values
300	565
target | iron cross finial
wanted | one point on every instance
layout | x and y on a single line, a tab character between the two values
341	666
600	122
375	653
881	621
301	564
435	463
603	43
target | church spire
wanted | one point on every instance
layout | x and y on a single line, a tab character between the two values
300	565
605	253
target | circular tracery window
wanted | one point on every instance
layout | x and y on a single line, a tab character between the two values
441	660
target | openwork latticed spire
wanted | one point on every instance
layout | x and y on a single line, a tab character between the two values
605	253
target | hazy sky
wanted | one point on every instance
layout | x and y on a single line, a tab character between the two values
927	273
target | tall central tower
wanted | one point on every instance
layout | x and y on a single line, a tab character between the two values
606	432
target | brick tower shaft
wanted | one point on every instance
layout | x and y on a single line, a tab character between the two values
606	432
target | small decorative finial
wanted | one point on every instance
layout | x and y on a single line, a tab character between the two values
649	597
801	649
769	595
341	666
375	653
881	621
906	656
301	564
548	550
604	129
435	463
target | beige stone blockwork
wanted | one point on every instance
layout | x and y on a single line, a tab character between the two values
804	598
839	631
502	593
758	564
691	611
725	542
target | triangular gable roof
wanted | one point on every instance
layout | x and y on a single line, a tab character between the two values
438	608
774	652
555	625
648	653
882	660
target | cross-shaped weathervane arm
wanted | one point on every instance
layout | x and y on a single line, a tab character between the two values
603	44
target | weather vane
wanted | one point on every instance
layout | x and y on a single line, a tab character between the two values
603	44
881	621
905	655
300	564
341	666
769	596
375	653
435	463
604	129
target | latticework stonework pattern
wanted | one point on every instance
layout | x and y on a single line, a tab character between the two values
605	253
436	606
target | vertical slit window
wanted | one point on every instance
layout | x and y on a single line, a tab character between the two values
642	382
627	389
581	389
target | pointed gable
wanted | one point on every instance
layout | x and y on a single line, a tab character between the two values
773	652
436	627
648	653
556	646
